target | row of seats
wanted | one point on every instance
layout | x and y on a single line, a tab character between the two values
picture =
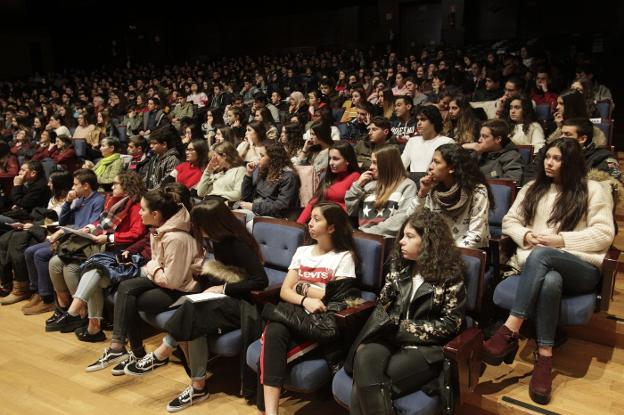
279	239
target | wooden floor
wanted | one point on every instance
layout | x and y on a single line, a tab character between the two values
43	373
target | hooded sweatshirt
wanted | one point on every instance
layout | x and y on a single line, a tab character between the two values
174	250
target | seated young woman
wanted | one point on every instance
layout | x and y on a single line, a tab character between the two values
253	147
119	225
342	171
329	262
562	224
164	278
103	272
381	196
456	188
424	295
190	172
235	271
223	175
274	190
315	151
518	112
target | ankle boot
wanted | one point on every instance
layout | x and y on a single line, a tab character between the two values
540	386
502	346
34	300
21	291
376	399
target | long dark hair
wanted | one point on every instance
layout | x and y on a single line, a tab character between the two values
342	237
528	113
466	173
294	138
573	105
439	258
213	218
348	153
62	182
571	203
201	150
279	161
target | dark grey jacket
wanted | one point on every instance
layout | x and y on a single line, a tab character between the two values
503	164
271	198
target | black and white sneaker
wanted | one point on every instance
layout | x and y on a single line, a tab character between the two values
145	365
118	370
108	358
187	398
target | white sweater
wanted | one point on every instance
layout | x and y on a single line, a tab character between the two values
590	239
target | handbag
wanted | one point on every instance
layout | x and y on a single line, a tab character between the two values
319	327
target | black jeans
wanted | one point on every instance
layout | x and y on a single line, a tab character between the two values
277	341
405	369
547	273
134	295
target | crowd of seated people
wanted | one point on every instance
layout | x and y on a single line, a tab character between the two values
149	167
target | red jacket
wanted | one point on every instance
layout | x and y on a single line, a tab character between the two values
67	158
549	98
334	193
42	153
10	167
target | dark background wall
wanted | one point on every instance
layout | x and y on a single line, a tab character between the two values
60	34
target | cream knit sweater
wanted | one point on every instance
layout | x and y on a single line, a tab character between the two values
590	239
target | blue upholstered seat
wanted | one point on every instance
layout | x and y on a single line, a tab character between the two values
418	402
309	374
542	111
575	311
503	198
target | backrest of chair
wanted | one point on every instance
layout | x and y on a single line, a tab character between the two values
604	108
370	250
543	112
309	182
474	261
526	151
504	192
607	128
278	240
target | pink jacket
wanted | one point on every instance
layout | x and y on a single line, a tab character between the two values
174	250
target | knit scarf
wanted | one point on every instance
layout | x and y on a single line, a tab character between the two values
105	162
111	217
451	201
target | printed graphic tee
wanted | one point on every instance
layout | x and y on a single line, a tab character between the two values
318	270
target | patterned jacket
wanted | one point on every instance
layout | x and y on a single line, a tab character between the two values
436	314
431	319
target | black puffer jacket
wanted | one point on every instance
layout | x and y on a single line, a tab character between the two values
272	198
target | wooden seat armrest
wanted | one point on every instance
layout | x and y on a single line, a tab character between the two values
609	271
464	351
351	320
268	295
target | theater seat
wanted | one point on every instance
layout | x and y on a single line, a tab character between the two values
418	402
309	374
575	310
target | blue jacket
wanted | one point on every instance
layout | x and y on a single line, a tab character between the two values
81	211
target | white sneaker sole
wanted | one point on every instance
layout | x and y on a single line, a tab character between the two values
195	401
110	362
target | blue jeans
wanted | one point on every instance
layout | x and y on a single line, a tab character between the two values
37	258
547	274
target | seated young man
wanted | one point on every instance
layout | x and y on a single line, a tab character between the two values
419	150
582	130
379	134
356	129
498	156
404	126
165	158
82	206
30	190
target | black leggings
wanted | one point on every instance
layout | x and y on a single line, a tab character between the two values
277	340
134	295
406	369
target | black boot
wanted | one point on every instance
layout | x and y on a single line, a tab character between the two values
375	399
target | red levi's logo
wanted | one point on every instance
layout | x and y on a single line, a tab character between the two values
315	275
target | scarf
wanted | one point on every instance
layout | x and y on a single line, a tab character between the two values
451	201
112	216
105	162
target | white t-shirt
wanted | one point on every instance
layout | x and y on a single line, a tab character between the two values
418	152
318	270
